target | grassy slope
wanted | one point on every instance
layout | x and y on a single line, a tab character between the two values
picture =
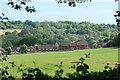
9	30
47	61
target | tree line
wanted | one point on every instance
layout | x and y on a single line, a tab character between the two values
56	32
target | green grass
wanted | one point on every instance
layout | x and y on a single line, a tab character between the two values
46	61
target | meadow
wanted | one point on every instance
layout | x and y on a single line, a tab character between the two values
9	30
47	61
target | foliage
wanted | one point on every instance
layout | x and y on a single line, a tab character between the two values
8	44
23	48
58	32
3	19
9	50
117	19
72	2
21	3
115	41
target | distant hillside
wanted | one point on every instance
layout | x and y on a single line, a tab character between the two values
58	32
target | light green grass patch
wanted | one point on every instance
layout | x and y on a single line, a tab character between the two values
46	61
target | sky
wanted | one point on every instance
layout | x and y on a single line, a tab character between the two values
97	11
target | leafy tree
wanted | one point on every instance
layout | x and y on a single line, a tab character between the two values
106	40
115	41
23	48
9	50
31	40
7	33
8	44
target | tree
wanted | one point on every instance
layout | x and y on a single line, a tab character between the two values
9	50
8	44
7	33
115	41
23	48
29	40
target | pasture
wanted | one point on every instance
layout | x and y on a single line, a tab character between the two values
47	61
9	30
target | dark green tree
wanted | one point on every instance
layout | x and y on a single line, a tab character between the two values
9	50
23	48
8	44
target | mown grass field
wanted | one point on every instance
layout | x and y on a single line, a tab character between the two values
46	61
9	30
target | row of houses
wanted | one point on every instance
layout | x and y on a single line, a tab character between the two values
57	47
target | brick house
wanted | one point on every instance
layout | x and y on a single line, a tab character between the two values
73	46
46	48
82	45
64	46
56	47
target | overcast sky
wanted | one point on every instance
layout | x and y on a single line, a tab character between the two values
97	11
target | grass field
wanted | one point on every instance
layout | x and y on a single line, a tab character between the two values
9	30
46	61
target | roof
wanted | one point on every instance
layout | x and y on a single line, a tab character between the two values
64	44
47	46
72	44
82	43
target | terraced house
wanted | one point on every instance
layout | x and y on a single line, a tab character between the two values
57	47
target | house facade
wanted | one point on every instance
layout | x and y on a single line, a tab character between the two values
73	46
82	45
64	46
57	47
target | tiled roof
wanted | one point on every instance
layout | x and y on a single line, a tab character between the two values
47	46
82	43
64	44
72	44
